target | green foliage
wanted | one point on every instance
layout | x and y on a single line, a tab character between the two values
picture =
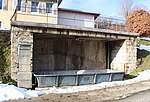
143	59
143	42
144	66
5	59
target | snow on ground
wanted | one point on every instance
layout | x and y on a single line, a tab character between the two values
144	47
145	38
10	92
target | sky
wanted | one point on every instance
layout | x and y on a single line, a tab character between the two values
104	7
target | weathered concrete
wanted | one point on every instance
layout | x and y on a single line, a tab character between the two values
53	54
58	47
71	30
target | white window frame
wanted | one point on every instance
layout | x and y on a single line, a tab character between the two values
14	4
23	6
3	5
42	7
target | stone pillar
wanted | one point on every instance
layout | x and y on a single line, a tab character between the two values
21	39
131	53
123	55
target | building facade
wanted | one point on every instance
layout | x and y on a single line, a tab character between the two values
42	11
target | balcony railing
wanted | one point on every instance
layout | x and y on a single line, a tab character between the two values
51	17
110	23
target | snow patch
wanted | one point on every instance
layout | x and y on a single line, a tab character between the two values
144	47
145	38
10	92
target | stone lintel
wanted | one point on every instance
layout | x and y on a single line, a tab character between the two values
73	31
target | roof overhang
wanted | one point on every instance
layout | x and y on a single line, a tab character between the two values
91	32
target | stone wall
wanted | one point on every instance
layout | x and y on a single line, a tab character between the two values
20	36
123	55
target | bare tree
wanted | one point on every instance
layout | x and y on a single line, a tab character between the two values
140	7
125	7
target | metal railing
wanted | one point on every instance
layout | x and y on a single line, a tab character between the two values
46	16
110	23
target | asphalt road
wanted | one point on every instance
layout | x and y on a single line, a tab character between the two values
139	97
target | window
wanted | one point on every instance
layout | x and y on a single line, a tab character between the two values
49	7
34	6
0	4
5	4
19	5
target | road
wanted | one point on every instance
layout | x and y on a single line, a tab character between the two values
139	97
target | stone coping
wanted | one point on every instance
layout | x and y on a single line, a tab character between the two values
64	27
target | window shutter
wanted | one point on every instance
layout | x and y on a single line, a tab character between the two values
29	6
54	9
40	7
23	6
44	7
5	4
15	2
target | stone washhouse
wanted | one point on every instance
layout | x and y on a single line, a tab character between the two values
54	46
68	55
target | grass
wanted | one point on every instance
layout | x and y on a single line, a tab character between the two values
143	42
144	66
143	59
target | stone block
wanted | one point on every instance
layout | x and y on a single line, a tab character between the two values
24	84
24	76
25	67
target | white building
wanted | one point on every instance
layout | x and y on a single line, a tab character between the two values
76	18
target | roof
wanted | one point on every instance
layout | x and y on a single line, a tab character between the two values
78	11
73	28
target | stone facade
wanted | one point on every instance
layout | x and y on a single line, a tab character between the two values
19	37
